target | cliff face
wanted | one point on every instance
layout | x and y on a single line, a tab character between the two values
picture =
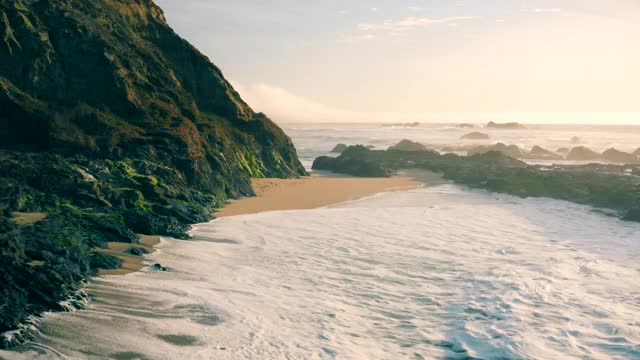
111	124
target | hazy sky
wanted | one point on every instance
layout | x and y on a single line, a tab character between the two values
357	60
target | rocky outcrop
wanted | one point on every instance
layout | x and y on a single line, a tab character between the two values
408	145
581	153
540	153
112	125
466	125
475	136
606	186
637	152
339	148
410	125
617	156
507	126
509	150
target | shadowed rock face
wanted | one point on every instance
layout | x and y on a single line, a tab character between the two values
618	156
540	153
112	125
408	145
582	153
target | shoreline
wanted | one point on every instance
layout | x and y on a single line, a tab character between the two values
309	192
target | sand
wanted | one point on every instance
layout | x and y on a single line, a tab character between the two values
308	192
313	192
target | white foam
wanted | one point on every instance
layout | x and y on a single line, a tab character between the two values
427	273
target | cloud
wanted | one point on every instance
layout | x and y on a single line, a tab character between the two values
357	38
285	107
410	23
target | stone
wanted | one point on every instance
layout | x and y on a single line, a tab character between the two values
475	136
581	153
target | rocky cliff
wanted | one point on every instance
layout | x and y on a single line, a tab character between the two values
111	125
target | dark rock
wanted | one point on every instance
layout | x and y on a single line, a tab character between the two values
466	126
105	261
408	145
137	251
509	150
475	136
617	156
540	153
159	267
599	185
112	125
582	153
339	148
508	126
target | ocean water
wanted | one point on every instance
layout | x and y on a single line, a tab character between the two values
433	273
313	140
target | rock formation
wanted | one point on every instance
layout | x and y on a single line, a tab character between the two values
408	145
111	125
507	126
475	136
581	153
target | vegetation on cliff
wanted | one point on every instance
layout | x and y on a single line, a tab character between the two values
112	125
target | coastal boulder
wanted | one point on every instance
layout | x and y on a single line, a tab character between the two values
506	126
509	150
408	145
637	152
475	136
581	153
540	153
339	148
617	156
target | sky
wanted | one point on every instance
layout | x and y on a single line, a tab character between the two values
423	60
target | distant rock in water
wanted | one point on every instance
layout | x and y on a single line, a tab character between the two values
371	147
339	148
582	153
475	136
511	126
617	156
413	124
637	152
563	150
510	150
113	125
408	145
540	153
466	126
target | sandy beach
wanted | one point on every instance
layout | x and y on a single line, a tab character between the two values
313	192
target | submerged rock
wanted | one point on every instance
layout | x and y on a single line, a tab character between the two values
339	148
408	145
466	125
475	136
617	156
582	153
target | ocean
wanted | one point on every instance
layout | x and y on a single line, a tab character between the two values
440	272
